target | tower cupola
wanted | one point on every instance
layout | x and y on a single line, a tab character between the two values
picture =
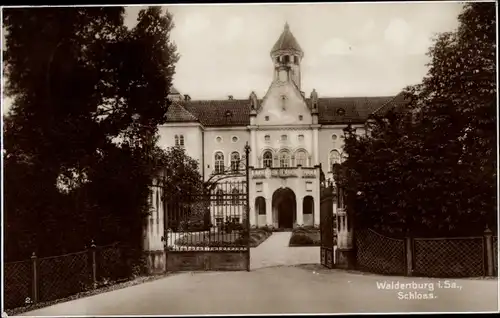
287	52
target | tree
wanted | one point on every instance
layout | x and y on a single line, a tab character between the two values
180	176
77	86
432	168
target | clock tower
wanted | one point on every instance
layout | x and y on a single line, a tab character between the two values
287	56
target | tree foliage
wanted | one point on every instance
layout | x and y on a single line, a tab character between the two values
180	176
432	168
88	94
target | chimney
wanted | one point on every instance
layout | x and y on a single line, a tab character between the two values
187	97
230	97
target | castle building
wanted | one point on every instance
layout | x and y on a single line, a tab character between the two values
293	138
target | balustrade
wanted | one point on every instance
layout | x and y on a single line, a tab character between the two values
285	172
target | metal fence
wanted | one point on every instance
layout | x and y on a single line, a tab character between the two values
449	257
17	283
380	254
212	222
56	277
429	257
62	276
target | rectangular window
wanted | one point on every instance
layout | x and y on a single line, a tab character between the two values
259	187
309	186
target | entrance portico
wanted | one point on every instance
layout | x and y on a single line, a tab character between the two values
284	202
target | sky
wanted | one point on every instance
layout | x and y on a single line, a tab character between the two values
350	49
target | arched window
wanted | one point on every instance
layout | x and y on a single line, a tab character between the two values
284	158
260	205
235	161
176	140
181	140
268	159
308	205
301	158
219	162
334	158
220	197
235	196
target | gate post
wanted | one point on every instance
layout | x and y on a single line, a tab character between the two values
34	278
409	255
94	265
154	249
345	255
489	264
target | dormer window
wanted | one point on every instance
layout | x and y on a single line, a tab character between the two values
266	118
341	112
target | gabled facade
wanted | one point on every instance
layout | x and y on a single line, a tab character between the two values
293	138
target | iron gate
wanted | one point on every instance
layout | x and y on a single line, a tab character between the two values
327	225
211	231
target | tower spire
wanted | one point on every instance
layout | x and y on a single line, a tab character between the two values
287	27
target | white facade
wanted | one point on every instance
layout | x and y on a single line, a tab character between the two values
292	139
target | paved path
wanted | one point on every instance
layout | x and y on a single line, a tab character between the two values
275	251
276	290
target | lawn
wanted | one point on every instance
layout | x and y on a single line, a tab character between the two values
257	236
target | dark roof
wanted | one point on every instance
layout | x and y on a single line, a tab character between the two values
396	103
174	91
176	113
356	109
286	41
215	112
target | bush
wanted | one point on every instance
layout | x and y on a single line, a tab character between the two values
266	228
301	239
305	229
230	226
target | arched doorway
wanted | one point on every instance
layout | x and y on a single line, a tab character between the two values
284	208
308	210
